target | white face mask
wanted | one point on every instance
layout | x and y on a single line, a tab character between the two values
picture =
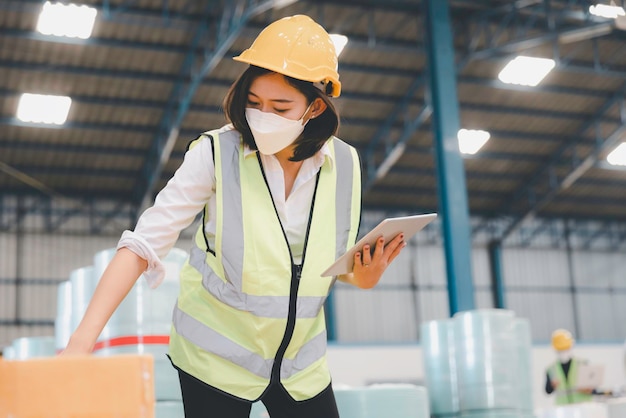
273	133
564	356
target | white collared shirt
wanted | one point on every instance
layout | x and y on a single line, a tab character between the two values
193	186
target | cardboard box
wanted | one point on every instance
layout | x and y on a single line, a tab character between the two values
120	386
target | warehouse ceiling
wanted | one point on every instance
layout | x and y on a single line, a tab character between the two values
154	73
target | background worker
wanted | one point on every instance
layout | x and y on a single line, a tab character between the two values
249	321
561	377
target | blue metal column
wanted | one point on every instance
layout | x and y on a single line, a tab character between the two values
453	206
495	262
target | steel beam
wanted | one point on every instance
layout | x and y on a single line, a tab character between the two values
450	171
540	199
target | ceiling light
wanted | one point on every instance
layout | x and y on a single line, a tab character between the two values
609	11
472	140
618	155
526	71
41	108
66	20
340	42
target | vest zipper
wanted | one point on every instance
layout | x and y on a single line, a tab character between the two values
296	275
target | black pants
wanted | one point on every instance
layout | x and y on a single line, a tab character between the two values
203	401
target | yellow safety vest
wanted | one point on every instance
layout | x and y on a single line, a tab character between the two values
246	315
565	391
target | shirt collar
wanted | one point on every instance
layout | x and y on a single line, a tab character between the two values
319	158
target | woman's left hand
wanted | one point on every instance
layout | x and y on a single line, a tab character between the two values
369	266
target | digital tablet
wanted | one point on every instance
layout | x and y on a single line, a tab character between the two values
589	376
389	228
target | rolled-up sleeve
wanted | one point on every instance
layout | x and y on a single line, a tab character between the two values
174	209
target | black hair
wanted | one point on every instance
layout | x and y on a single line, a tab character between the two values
316	132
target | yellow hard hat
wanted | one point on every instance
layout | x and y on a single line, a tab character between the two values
297	47
562	340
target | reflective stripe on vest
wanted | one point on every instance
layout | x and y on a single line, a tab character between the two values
265	306
221	274
211	341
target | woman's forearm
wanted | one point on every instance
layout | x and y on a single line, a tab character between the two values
115	283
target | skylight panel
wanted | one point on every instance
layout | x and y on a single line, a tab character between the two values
69	20
618	155
609	11
472	140
41	108
526	71
340	42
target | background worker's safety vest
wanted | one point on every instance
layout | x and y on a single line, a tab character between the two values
237	309
566	390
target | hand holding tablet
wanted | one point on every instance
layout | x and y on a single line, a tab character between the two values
389	228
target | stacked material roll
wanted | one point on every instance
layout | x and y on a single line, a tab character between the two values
83	285
383	400
486	355
496	414
169	409
33	347
440	369
63	320
351	401
141	324
8	353
258	411
492	358
580	410
397	400
616	408
524	365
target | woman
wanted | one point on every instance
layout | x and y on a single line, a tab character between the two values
281	201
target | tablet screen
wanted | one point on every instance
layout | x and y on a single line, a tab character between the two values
389	228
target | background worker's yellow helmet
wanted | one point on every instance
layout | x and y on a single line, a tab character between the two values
297	47
562	340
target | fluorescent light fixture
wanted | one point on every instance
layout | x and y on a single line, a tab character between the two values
472	140
618	155
526	71
41	108
609	11
66	20
340	42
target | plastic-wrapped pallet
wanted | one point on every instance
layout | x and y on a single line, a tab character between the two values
169	409
33	347
63	320
351	401
437	341
486	355
616	408
581	410
383	400
496	414
397	401
8	353
142	322
524	364
258	411
83	285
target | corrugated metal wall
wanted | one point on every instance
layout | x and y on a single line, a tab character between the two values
585	292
